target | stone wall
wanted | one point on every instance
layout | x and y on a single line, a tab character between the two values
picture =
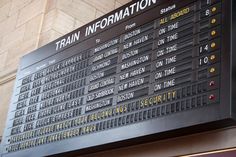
26	25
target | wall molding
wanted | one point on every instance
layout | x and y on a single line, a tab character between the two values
8	77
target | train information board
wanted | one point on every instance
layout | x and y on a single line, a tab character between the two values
149	70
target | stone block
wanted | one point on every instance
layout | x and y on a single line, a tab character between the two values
58	21
102	5
51	4
15	53
33	9
48	36
123	1
48	20
63	23
4	11
3	2
3	56
78	9
78	24
8	25
13	56
1	43
11	66
9	70
28	46
17	5
99	14
118	4
33	27
13	38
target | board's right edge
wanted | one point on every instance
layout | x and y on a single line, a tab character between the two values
233	58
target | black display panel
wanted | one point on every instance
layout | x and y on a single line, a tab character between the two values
152	69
